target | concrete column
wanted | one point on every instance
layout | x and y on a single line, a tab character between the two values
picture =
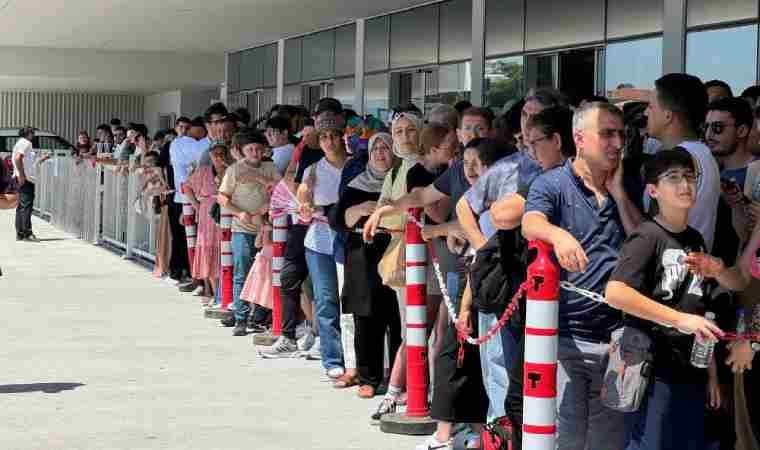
281	71
674	36
478	65
224	88
359	68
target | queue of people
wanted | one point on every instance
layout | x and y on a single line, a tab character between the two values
651	202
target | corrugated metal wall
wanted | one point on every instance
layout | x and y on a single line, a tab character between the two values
66	113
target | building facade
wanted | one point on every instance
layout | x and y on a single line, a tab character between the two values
491	51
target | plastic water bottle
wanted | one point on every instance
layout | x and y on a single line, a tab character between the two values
702	351
741	327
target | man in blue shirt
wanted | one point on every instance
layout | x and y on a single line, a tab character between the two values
581	208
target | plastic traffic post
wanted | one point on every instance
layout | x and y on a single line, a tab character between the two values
225	224
416	420
191	230
541	335
279	237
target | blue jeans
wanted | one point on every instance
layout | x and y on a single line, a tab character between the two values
324	279
583	423
243	253
495	356
670	416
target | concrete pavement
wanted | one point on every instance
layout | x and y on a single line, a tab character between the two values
97	354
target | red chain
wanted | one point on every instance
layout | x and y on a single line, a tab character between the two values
743	336
511	308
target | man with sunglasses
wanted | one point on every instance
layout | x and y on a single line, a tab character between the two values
675	111
727	128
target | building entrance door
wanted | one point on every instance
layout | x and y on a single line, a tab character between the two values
311	93
417	86
574	72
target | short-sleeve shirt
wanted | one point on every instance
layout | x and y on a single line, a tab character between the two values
183	153
281	157
500	180
246	193
651	262
420	177
24	147
563	198
453	183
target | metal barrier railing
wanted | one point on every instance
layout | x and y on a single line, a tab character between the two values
96	204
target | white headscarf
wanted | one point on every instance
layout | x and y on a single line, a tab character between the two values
417	121
371	180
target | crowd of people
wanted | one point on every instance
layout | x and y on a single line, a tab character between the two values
651	201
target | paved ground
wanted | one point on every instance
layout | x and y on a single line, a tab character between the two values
96	354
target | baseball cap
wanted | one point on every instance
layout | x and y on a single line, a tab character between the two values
329	104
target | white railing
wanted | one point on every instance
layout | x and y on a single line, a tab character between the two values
97	204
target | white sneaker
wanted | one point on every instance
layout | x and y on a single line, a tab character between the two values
335	373
306	342
198	291
302	329
282	348
432	443
314	352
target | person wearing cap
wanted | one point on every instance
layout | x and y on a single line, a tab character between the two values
318	194
24	171
294	269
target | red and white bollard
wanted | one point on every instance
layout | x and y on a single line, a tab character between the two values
225	223
416	318
191	231
279	237
541	339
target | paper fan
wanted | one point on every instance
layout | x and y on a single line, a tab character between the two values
282	201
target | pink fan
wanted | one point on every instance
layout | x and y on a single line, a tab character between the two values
282	201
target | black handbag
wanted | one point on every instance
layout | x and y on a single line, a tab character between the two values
216	213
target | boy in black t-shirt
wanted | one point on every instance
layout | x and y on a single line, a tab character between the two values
658	283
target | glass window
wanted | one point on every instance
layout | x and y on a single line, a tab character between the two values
233	72
729	54
267	99
269	77
414	37
293	60
343	90
345	50
635	62
376	101
504	81
627	18
550	26
454	83
292	94
319	55
701	12
52	143
250	69
456	30
376	43
504	26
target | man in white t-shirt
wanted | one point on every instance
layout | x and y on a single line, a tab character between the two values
676	110
277	133
24	172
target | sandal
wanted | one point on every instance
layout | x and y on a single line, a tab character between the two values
366	391
346	381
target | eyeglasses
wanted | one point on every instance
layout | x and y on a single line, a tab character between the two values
676	177
716	127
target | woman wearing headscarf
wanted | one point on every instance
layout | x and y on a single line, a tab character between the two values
372	304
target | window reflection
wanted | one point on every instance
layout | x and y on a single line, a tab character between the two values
343	90
635	62
292	94
454	84
504	81
376	95
728	54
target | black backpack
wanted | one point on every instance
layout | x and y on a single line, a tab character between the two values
498	270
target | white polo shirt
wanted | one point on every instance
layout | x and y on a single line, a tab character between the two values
24	147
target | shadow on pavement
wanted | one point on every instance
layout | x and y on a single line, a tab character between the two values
48	388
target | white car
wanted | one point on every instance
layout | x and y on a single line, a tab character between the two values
45	141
